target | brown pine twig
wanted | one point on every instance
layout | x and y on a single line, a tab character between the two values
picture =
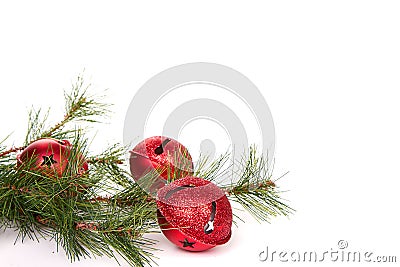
11	150
237	191
104	161
63	122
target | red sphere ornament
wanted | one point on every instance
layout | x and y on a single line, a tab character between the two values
194	214
50	156
162	155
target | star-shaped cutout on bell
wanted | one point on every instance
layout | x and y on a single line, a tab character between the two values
48	160
186	243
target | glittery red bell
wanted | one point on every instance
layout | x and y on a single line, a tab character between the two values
194	214
50	156
160	155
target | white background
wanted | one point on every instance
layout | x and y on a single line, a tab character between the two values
329	70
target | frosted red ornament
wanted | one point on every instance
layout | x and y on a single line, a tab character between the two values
163	156
50	156
194	214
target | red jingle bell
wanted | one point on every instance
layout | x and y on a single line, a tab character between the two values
194	214
164	156
50	156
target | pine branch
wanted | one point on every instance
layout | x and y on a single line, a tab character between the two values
255	190
102	211
36	123
212	170
81	227
6	152
79	107
111	155
109	164
71	209
11	150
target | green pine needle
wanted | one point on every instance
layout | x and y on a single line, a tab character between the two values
255	190
103	212
72	210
